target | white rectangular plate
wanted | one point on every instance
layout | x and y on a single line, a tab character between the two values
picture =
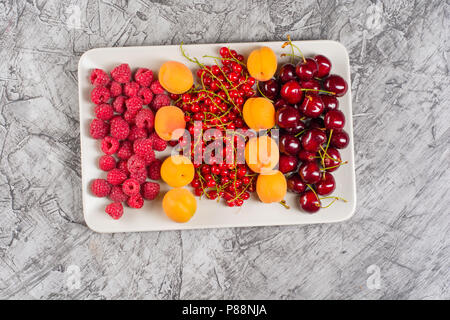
210	214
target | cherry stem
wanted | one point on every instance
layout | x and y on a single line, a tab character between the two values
317	90
284	204
259	90
292	47
338	165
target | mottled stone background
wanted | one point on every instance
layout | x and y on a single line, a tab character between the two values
400	82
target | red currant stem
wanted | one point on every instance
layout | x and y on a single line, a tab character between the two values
317	90
284	204
338	165
262	94
222	58
201	183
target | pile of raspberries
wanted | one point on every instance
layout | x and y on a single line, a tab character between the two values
125	106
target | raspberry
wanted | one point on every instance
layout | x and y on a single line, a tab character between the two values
110	145
149	157
100	187
158	143
98	129
135	201
106	163
131	89
146	95
145	119
154	170
117	194
99	77
119	104
130	116
135	164
160	100
140	176
119	128
157	88
115	89
134	104
142	147
115	210
125	150
116	176
100	95
104	111
150	190
137	133
144	77
122	73
122	165
131	187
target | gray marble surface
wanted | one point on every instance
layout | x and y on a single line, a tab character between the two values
399	234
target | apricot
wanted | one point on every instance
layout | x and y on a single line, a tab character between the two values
261	154
175	77
179	204
259	113
177	171
262	63
271	187
169	123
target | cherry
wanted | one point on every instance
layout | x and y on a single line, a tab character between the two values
339	139
329	102
299	126
309	202
316	123
270	88
306	69
306	156
313	139
326	185
333	160
312	106
287	117
334	119
291	92
287	163
335	84
280	103
309	172
324	66
289	144
287	73
295	184
310	84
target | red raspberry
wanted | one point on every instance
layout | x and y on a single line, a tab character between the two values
116	176
98	129
150	190
131	187
134	104
154	170
119	128
100	187
122	73
117	194
122	165
146	95
160	100
104	111
110	145
142	147
137	133
131	89
135	164
99	77
130	116
158	143
140	176
145	119
100	95
119	104
157	88
125	150
144	77
115	89
135	201
149	157
115	210
106	163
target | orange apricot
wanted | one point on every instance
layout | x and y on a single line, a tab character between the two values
175	77
179	204
177	171
259	113
261	154
271	187
262	63
169	123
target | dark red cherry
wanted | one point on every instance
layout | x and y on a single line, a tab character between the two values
332	160
326	185
269	88
295	184
289	144
316	123
280	103
310	172
291	92
287	117
287	163
306	70
310	84
300	125
287	73
313	139
306	156
323	66
309	202
312	106
339	139
329	102
335	84
334	119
